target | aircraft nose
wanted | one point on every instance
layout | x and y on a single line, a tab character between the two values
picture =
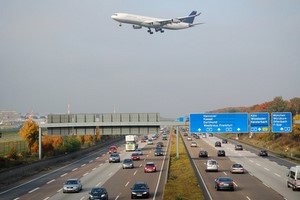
114	16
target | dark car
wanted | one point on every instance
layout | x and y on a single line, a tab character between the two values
238	147
114	157
128	163
98	193
140	189
135	156
224	141
203	153
224	183
221	153
158	152
263	153
218	144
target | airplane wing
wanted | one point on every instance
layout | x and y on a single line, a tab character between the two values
160	23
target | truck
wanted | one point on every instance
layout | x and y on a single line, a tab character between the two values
131	142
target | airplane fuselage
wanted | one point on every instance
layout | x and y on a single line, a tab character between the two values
148	22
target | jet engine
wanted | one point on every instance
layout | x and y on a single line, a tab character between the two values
136	26
176	21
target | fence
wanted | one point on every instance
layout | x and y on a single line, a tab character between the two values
6	146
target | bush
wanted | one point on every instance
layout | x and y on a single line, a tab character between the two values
13	154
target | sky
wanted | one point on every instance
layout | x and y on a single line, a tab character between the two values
59	52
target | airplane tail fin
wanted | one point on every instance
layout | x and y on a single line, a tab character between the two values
190	20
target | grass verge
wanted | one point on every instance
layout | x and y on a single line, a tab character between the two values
182	183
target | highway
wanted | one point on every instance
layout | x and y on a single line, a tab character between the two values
94	170
264	178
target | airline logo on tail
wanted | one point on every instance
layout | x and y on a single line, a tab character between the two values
139	21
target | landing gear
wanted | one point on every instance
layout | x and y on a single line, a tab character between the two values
149	31
120	24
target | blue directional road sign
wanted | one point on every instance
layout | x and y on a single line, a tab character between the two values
282	122
259	122
219	123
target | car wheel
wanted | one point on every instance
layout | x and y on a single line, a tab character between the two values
132	197
288	185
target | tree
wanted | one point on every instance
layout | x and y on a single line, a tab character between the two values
30	134
278	105
295	105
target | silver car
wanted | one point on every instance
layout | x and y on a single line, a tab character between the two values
72	185
211	165
128	163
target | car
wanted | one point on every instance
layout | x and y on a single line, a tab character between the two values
112	149
161	144
128	163
238	147
158	152
224	183
189	138
164	137
224	141
135	156
140	189
114	157
204	135
72	185
211	165
150	167
185	134
193	144
210	135
263	153
197	136
150	141
237	168
139	151
221	152
203	153
218	144
98	193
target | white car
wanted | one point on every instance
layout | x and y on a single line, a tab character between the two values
150	141
211	165
193	144
189	138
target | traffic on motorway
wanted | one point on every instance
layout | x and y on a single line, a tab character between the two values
110	173
241	172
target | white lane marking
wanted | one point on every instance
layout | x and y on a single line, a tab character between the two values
225	173
17	198
267	169
235	184
74	169
277	175
127	184
99	184
250	160
100	164
85	174
50	181
141	165
94	169
91	161
46	198
59	190
110	174
135	173
97	158
33	190
257	164
248	198
83	165
82	198
64	175
117	196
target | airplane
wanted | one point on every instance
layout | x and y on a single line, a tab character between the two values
157	24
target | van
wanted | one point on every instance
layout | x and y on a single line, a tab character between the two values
293	179
211	165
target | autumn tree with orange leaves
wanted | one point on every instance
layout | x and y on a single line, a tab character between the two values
30	134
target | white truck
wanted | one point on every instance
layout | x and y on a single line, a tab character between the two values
131	142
